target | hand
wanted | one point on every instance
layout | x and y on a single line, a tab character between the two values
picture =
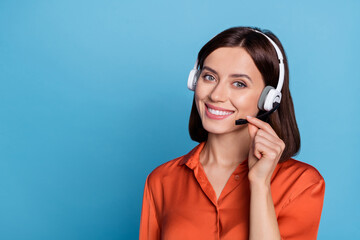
265	151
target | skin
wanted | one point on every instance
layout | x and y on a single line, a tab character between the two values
259	142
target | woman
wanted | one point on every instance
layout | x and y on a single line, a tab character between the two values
240	182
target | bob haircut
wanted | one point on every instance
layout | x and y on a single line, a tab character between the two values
265	58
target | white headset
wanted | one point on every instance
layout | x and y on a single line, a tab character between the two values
269	96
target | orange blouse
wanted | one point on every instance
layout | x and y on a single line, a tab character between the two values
180	203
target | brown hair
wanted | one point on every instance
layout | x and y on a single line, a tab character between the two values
265	58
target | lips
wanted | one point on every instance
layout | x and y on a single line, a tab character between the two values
217	113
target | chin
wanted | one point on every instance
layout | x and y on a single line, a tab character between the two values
220	128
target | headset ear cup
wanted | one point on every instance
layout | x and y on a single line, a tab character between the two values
193	76
273	97
263	97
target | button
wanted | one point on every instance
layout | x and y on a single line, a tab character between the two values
237	177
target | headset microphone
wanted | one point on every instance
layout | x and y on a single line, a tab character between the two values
270	97
262	117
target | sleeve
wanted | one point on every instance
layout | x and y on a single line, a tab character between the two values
149	227
299	219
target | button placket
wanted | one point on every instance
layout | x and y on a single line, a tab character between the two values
218	222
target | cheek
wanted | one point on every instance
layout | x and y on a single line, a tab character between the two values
197	102
200	90
247	104
200	95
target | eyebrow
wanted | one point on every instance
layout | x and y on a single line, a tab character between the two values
236	75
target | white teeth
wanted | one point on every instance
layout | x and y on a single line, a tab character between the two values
217	112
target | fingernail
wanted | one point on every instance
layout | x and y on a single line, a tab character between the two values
249	117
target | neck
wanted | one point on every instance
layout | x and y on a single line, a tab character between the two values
226	150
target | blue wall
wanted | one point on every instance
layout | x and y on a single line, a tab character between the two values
93	97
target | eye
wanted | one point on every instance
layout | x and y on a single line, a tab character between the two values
239	84
208	77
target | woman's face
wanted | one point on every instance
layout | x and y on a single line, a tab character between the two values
228	88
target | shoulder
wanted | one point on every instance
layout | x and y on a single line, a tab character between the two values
295	177
165	174
175	170
296	169
164	169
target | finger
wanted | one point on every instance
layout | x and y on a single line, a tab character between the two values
252	130
261	124
255	152
271	138
265	151
274	146
266	135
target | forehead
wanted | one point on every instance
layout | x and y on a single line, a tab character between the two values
230	60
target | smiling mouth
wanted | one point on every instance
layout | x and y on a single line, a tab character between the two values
217	113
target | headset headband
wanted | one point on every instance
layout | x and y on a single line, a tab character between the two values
280	58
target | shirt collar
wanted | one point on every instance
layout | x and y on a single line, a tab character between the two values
192	158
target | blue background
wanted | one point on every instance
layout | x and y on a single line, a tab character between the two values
93	97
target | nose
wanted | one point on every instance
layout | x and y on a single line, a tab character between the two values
219	93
